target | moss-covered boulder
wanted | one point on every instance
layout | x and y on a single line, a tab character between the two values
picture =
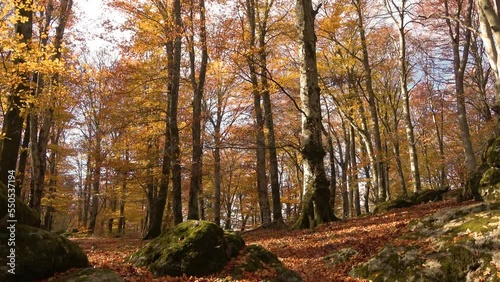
493	153
461	244
489	188
23	215
484	182
340	256
411	199
255	258
193	248
39	254
90	275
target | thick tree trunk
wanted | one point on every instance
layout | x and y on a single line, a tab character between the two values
489	20
198	86
316	207
173	126
13	121
459	65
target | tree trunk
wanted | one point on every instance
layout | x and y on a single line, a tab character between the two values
265	209
198	86
354	176
403	84
13	121
379	163
316	208
489	20
96	179
459	65
53	174
174	69
23	158
268	114
217	162
273	158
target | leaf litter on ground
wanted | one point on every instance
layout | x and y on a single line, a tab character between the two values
300	250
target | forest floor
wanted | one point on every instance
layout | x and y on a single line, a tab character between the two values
300	250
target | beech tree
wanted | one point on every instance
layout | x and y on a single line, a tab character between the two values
489	20
316	208
20	90
398	14
198	84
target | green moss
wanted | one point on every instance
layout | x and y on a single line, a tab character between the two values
193	248
24	214
340	256
234	243
457	263
256	258
493	154
40	254
477	224
490	177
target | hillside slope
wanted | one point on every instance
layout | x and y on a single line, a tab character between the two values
327	253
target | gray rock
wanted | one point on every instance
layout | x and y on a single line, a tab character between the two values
465	246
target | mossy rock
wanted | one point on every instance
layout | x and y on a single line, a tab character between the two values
393	204
40	254
235	243
255	258
427	196
193	248
411	199
493	154
23	215
489	188
490	192
490	177
390	264
464	244
90	275
340	256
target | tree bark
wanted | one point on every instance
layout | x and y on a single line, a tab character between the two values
354	176
316	208
489	20
459	65
265	209
13	121
268	114
174	76
96	182
379	164
198	86
403	84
